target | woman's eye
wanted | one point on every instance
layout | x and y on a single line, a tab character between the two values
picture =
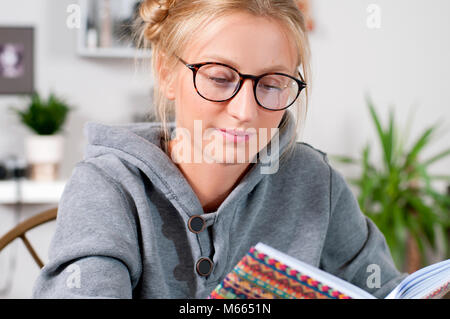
270	87
218	80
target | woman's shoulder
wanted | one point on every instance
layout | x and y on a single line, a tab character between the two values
313	164
305	167
113	170
311	152
107	168
308	159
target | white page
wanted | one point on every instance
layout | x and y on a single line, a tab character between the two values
430	285
420	276
417	278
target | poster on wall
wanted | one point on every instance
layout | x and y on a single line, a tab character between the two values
16	60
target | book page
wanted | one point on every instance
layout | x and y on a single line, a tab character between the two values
423	282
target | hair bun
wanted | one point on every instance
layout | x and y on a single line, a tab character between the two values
153	13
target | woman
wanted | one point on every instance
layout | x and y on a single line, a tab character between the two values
155	211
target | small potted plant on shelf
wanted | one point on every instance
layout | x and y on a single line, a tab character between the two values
44	147
398	194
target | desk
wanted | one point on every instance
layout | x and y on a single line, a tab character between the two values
33	192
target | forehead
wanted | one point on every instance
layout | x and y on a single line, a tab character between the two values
252	43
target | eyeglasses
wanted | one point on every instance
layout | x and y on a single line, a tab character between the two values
219	82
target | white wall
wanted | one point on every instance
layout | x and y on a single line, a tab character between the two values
405	63
106	90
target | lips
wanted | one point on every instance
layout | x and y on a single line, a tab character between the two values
235	136
235	132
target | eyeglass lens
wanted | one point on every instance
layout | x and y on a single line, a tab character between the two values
218	83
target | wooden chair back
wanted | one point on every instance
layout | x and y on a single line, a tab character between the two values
28	224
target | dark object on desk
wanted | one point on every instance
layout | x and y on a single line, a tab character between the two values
20	172
20	230
3	172
13	167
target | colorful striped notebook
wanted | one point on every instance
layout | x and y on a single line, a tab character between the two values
266	273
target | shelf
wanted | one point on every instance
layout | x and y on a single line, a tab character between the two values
113	53
105	29
33	192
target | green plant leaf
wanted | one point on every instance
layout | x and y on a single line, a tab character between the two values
441	199
445	178
343	159
44	117
383	137
397	193
399	227
390	139
415	233
421	142
426	219
437	157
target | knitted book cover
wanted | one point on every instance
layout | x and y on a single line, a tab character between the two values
260	276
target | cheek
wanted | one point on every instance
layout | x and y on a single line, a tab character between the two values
268	122
193	106
270	119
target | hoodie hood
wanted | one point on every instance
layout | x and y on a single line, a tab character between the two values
140	144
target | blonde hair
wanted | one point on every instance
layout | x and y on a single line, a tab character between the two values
167	26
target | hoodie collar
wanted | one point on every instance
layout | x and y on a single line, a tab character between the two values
140	145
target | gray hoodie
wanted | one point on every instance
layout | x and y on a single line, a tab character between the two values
125	226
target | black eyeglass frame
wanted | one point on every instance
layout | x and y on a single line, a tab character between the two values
242	77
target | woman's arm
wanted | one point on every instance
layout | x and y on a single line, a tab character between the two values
94	252
354	248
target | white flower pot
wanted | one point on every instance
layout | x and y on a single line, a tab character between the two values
44	154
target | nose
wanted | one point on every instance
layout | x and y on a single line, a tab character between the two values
243	105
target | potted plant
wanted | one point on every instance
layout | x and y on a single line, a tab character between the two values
44	147
399	196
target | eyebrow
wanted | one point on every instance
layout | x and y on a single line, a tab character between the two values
265	70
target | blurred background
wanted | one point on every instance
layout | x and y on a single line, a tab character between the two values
379	107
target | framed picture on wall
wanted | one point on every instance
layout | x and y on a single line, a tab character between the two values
16	60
